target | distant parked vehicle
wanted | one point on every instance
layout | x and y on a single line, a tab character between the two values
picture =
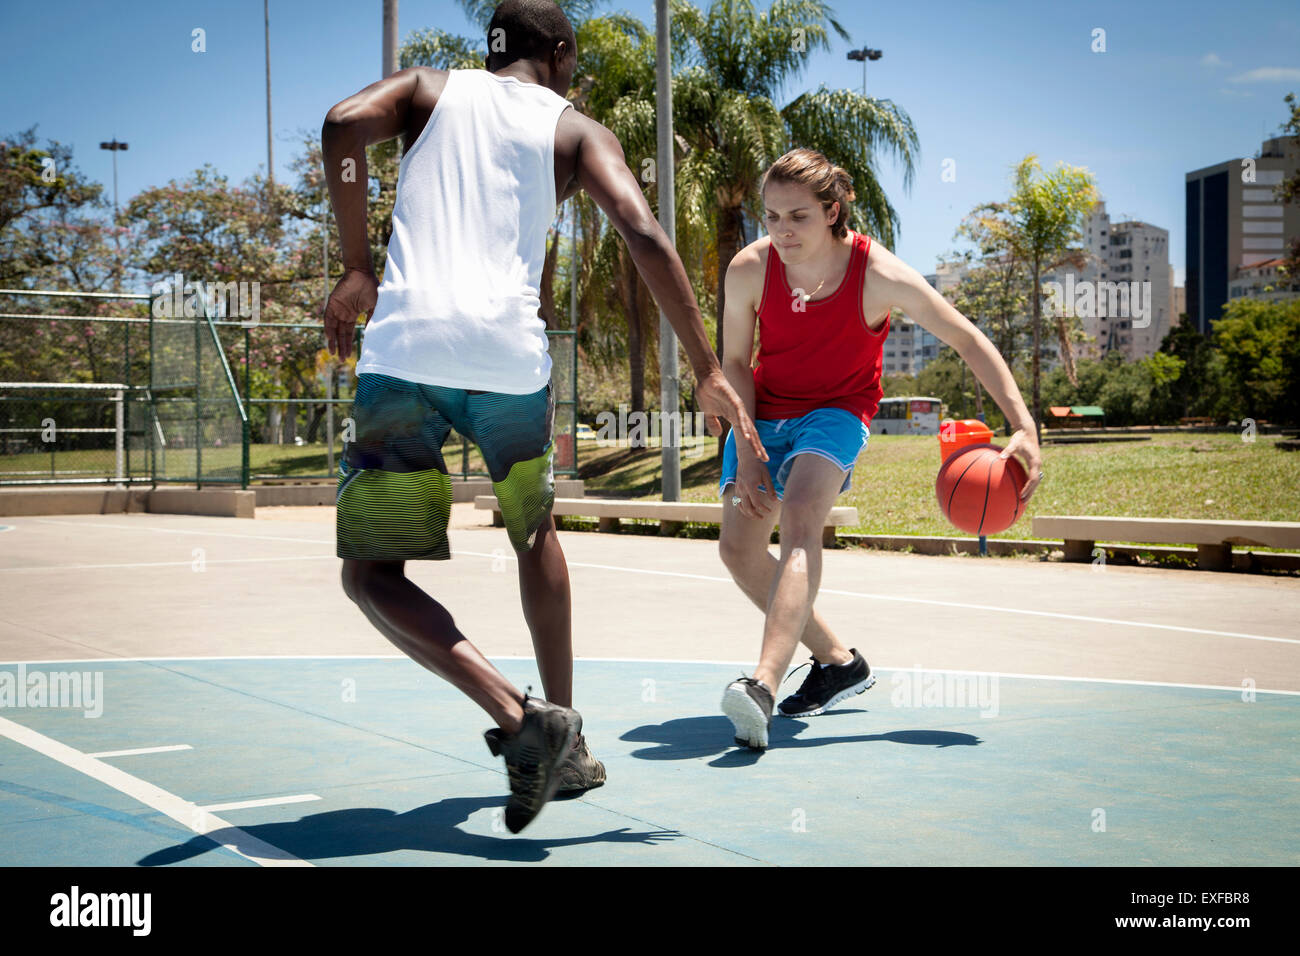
910	415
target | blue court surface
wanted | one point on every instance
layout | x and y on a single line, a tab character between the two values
371	761
190	691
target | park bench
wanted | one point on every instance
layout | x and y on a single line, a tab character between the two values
671	515
1213	539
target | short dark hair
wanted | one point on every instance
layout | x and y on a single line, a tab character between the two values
529	30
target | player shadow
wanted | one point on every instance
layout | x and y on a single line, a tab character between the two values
689	738
367	831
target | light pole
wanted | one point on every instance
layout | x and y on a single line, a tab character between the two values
669	433
389	61
865	54
114	147
270	158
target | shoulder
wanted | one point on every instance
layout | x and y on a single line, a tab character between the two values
575	129
890	282
748	267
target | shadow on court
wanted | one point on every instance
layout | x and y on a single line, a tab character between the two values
433	828
689	738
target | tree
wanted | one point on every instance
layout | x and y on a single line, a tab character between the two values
53	224
1197	381
1039	225
1260	345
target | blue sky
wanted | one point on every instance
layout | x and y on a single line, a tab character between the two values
1180	86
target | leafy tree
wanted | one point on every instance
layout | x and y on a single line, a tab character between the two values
1260	345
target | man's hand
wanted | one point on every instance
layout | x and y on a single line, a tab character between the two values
1025	443
717	399
755	502
356	293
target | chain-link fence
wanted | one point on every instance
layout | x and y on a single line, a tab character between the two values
153	394
74	404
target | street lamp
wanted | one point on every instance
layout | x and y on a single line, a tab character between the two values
114	147
865	54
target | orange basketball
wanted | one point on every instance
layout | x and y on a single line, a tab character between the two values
980	492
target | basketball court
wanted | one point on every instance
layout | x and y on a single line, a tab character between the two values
238	710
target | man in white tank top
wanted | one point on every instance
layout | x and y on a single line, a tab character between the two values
454	340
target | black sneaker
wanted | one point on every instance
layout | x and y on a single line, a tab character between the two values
533	757
748	703
824	687
581	771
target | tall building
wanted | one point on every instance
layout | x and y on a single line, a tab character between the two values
1117	255
1177	300
1235	222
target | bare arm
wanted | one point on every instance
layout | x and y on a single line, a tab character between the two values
744	276
739	319
379	112
603	173
907	289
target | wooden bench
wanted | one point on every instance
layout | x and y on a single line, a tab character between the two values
1213	539
671	515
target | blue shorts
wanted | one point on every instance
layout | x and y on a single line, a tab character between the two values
832	433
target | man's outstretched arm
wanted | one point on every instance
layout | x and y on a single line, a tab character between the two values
603	173
377	113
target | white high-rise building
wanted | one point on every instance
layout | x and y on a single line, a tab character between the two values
1117	255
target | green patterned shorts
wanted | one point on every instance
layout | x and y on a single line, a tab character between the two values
394	494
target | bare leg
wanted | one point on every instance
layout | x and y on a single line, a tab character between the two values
548	609
813	486
743	544
424	630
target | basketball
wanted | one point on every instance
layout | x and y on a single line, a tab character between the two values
978	491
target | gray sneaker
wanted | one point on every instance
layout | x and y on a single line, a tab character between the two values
533	757
748	703
581	771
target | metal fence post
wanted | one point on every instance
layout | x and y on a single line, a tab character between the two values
198	405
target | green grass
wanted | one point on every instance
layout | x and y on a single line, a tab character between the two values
1171	476
1175	475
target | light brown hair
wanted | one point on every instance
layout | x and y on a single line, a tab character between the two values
812	170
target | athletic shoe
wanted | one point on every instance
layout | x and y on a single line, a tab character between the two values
824	687
533	757
748	703
581	771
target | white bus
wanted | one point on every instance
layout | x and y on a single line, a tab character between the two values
912	415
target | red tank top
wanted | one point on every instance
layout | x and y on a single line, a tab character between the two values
823	356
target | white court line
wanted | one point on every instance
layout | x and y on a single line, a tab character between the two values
266	802
915	600
706	577
633	660
164	564
211	534
139	750
187	814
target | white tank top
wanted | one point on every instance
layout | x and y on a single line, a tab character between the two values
475	200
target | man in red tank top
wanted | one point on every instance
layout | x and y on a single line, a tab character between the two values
820	297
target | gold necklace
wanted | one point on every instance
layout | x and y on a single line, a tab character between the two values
808	295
